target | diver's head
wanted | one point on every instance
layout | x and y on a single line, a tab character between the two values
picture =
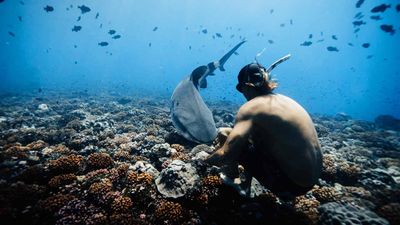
254	80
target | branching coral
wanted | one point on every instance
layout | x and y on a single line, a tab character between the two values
121	204
325	194
63	179
308	207
169	212
66	164
99	161
53	203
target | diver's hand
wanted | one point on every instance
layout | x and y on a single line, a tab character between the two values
217	158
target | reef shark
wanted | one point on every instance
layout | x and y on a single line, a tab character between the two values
189	113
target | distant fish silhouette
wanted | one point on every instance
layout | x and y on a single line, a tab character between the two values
111	32
369	56
48	8
320	40
291	22
359	3
11	33
149	44
358	23
332	49
39	90
350	44
334	37
356	30
366	45
398	8
155	28
378	17
1	1
271	11
79	18
84	9
306	43
76	28
388	28
270	41
359	15
218	35
232	36
20	18
97	15
116	36
310	36
282	25
21	2
204	31
103	43
380	8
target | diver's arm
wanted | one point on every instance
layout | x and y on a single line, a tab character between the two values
235	143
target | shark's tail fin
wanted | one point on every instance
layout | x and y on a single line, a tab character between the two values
221	67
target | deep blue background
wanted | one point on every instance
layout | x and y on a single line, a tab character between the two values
42	53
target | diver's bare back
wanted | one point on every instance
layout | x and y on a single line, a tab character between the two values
284	130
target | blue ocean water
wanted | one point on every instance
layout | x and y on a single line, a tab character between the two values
161	42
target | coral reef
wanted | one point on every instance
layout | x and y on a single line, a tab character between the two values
97	160
334	213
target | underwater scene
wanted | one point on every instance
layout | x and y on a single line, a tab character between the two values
200	112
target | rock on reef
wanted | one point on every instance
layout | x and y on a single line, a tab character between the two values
177	179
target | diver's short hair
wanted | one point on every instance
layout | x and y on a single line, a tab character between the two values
257	75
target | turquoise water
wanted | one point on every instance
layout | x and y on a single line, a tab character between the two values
163	41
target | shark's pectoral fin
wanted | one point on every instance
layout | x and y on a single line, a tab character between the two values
203	83
221	67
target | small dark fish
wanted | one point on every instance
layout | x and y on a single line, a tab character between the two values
155	28
358	15
332	49
398	8
380	8
84	9
232	36
11	33
111	32
39	90
334	37
320	40
291	22
103	43
310	36
322	33
79	18
190	47
376	17
76	62
116	36
282	25
366	45
270	41
204	31
48	8
271	11
20	18
218	35
306	43
358	23
101	25
388	28
369	56
1	1
359	3
75	46
236	53
213	36
97	15
350	44
21	2
150	44
356	30
76	28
